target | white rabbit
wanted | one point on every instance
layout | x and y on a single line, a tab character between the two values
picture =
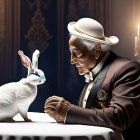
16	97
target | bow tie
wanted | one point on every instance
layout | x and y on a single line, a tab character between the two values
89	77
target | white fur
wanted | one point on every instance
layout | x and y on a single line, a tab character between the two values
16	97
35	59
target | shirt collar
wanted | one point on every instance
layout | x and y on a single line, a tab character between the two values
90	76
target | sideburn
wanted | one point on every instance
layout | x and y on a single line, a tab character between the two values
97	51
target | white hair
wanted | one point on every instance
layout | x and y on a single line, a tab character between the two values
91	44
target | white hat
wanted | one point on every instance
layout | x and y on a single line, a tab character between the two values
90	29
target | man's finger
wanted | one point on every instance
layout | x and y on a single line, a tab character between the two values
49	110
53	102
53	99
50	104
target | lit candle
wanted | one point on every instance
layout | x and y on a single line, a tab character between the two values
137	44
138	30
135	41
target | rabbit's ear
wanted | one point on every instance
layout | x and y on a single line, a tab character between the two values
24	59
35	59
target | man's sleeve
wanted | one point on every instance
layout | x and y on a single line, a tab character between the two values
124	105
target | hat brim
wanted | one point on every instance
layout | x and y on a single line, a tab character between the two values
112	40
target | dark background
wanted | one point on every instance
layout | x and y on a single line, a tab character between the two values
42	24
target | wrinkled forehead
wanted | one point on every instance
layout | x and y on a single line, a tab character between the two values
77	43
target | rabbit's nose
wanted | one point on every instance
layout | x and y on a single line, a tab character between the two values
43	77
44	80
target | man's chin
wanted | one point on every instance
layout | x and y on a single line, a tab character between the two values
81	71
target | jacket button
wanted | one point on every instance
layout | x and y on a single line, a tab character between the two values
89	89
85	100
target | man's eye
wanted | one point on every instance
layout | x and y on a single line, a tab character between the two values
73	53
79	54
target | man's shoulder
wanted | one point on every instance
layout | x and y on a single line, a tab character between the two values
122	69
123	64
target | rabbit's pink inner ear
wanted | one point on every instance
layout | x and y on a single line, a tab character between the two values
25	61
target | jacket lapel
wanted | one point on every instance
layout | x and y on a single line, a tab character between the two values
82	95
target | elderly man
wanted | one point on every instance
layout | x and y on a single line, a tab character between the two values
111	96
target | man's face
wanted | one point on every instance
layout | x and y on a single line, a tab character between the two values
80	56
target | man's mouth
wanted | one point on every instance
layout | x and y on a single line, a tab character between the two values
78	66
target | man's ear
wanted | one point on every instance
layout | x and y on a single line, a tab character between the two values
97	50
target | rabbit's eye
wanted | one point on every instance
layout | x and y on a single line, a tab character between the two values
35	74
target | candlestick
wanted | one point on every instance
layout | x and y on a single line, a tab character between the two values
135	41
137	44
137	47
138	30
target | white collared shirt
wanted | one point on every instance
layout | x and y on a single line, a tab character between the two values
91	77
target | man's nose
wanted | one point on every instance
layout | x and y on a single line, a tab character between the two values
72	60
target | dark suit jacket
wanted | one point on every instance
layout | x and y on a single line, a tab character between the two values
121	110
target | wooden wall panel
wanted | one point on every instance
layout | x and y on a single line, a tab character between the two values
2	22
16	36
60	50
5	50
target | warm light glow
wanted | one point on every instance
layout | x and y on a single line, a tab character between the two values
135	41
138	30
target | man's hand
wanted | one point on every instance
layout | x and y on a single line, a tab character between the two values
57	108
